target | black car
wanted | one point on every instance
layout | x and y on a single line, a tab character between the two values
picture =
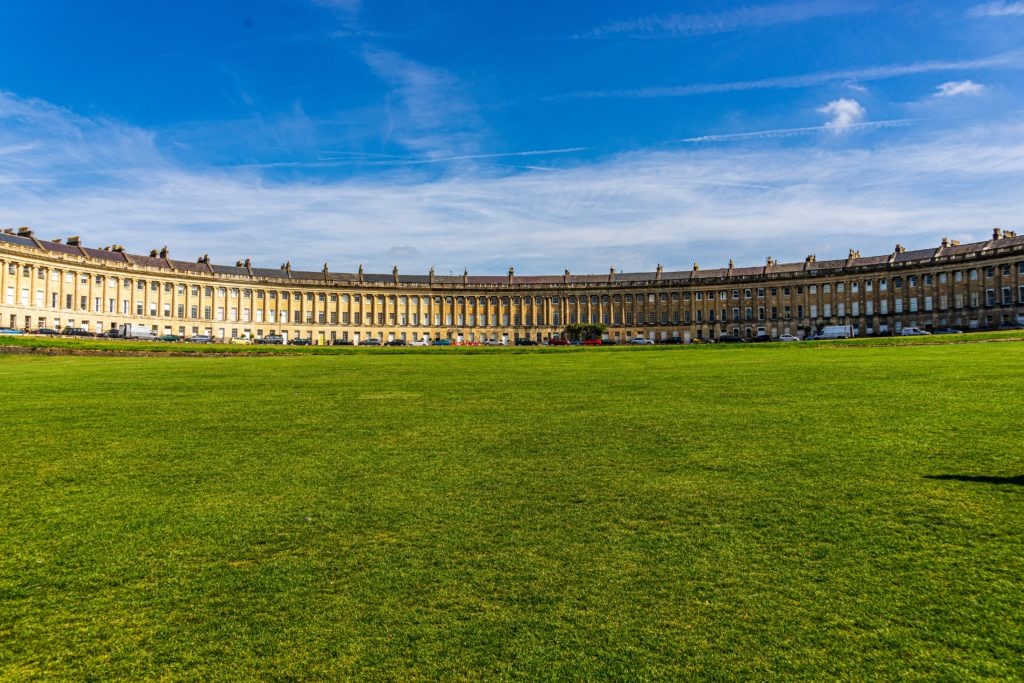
396	342
271	339
47	331
341	342
671	340
762	338
200	339
301	341
371	341
729	339
76	332
525	342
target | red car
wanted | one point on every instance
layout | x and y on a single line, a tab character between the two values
558	341
592	342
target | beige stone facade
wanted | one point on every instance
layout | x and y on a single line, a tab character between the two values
57	283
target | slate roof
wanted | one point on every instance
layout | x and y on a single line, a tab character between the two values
18	240
61	248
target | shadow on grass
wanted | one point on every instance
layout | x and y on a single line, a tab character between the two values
979	478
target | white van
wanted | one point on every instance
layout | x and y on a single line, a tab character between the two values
136	331
913	332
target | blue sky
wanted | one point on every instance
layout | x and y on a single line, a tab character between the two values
539	135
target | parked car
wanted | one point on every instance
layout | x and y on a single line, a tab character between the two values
788	338
913	332
762	338
271	339
442	342
244	341
301	341
46	331
10	330
420	342
493	342
671	340
110	334
200	339
169	338
370	341
728	339
947	330
558	341
396	342
592	342
341	342
75	332
641	340
1012	326
525	342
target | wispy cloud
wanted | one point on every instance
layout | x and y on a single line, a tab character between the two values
429	111
954	88
844	112
1006	60
676	25
390	160
997	9
64	173
795	132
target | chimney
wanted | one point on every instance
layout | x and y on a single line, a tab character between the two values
360	272
24	232
394	273
164	252
730	265
696	267
657	275
996	234
900	249
945	242
566	277
430	275
511	274
611	274
152	253
465	276
118	248
56	240
74	241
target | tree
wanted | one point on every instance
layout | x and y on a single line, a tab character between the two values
584	331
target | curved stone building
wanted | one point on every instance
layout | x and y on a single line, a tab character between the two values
60	283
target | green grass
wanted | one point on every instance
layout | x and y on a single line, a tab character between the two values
745	512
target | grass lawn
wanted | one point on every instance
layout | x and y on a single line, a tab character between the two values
756	511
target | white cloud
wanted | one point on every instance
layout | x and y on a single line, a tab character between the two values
676	25
1006	60
998	9
795	132
429	111
62	174
844	112
953	88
